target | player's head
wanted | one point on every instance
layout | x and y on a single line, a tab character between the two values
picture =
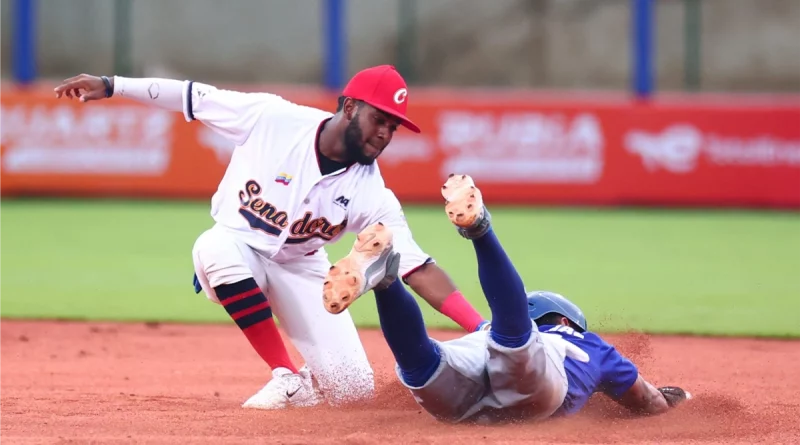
547	308
374	104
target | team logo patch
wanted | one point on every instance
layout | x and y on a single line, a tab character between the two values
400	96
283	178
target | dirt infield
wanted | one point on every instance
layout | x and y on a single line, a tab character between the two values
148	383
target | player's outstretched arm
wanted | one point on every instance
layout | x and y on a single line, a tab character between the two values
232	114
164	93
644	398
435	287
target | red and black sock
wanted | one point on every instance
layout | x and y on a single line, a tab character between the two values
249	308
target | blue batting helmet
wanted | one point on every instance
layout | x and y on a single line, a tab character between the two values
541	303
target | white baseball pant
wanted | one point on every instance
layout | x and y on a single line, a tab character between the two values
478	379
329	343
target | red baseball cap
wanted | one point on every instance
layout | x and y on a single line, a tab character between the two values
385	89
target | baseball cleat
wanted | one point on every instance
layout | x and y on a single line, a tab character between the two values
370	261
286	389
464	206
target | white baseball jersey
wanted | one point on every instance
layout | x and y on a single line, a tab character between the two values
273	196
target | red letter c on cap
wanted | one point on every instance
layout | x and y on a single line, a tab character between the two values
400	96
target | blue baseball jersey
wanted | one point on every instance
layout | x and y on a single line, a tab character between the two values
607	371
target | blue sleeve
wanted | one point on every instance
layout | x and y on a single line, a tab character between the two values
619	374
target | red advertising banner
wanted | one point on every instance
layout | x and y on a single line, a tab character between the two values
521	147
736	155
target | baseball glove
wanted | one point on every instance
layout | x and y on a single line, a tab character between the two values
674	395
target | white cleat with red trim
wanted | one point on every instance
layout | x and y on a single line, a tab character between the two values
286	389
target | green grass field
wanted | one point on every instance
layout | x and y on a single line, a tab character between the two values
701	272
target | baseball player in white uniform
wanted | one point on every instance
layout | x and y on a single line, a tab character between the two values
298	179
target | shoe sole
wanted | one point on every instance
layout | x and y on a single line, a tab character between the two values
344	281
463	201
287	405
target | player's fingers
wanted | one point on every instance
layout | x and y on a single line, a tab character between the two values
66	85
92	95
66	89
79	92
70	86
80	89
80	78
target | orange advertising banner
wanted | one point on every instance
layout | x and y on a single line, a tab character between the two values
521	147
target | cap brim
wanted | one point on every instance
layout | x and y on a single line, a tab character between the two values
404	121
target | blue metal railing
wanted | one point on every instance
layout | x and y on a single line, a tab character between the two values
642	36
334	44
23	40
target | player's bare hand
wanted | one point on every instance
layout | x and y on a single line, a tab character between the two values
674	395
84	87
